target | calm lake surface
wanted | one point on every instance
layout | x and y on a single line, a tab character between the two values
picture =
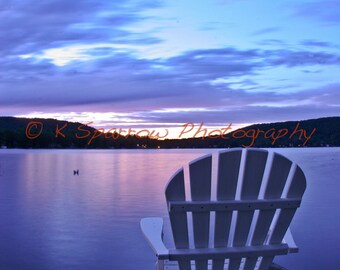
53	220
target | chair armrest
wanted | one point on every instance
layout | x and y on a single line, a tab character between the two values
152	229
289	240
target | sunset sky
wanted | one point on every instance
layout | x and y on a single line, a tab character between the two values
164	63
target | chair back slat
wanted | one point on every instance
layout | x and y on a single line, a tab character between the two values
265	263
278	175
296	190
228	171
253	173
255	164
200	188
250	263
175	192
234	264
184	265
298	185
218	264
200	178
227	178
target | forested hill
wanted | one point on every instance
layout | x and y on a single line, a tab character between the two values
51	133
320	132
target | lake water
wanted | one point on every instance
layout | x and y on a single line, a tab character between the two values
53	220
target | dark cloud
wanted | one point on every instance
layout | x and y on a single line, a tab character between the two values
35	26
267	30
316	43
322	102
205	65
313	72
272	42
125	84
121	80
245	115
301	58
323	11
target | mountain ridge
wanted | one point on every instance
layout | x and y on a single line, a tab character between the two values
52	133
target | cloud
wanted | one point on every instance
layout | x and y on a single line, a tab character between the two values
267	30
325	11
316	43
261	107
272	42
301	58
250	114
35	26
200	78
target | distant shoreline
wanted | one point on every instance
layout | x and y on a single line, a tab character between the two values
26	133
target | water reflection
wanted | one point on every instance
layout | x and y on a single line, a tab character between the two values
56	220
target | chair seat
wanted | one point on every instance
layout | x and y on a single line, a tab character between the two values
170	265
227	252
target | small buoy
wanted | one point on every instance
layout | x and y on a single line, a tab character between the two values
75	172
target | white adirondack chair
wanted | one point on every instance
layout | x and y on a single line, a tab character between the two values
256	194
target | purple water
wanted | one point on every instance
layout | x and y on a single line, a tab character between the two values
52	219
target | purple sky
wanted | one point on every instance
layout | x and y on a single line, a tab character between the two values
164	63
